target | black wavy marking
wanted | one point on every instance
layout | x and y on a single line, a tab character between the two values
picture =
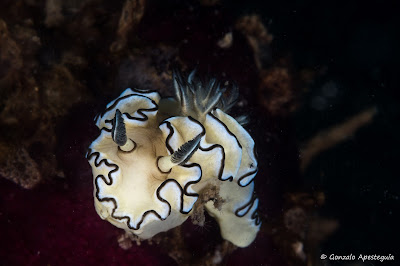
196	195
250	173
254	215
90	154
222	167
184	191
143	91
230	133
226	128
109	182
203	132
249	205
246	175
255	152
141	111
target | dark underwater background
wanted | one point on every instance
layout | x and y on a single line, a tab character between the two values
318	79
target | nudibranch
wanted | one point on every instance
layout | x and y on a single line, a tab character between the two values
155	156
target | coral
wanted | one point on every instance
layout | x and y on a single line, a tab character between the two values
276	90
10	59
19	167
209	193
226	41
131	15
330	137
30	106
148	70
257	36
300	229
54	16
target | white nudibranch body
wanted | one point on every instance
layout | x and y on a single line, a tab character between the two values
154	156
